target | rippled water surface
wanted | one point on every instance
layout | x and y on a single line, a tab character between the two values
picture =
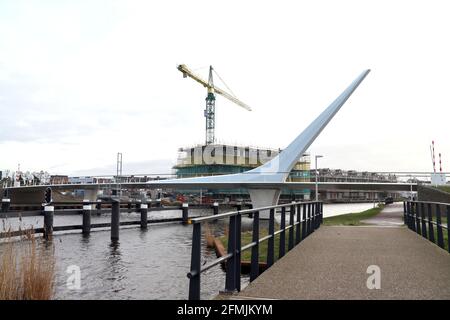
144	264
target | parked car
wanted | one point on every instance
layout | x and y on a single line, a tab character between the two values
388	200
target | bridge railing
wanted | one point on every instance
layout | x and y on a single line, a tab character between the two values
429	219
308	216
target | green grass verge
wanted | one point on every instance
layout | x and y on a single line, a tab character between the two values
352	219
444	188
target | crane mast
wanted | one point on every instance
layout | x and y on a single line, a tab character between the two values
210	109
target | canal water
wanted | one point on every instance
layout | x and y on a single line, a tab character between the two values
150	264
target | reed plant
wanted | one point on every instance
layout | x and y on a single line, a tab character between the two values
27	270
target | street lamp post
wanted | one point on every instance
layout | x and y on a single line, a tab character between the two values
317	175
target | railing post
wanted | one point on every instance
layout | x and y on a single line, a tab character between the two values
254	268
413	218
6	203
115	219
321	212
48	222
291	230
87	208
316	215
230	280
144	215
404	212
309	220
185	212
271	241
440	235
408	213
194	277
297	229
417	205
424	224
283	232
430	223
448	228
304	226
238	253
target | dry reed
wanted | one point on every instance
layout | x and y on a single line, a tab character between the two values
209	236
27	271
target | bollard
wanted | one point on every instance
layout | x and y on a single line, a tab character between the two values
6	203
215	208
98	207
115	220
185	209
138	205
87	219
144	215
48	222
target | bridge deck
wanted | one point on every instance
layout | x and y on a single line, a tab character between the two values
332	264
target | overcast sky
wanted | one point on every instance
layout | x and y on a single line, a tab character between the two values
83	80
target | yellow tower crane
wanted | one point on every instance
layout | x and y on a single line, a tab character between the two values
211	99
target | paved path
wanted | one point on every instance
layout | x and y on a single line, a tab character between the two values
332	264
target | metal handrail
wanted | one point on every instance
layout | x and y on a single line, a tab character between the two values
306	224
414	213
245	211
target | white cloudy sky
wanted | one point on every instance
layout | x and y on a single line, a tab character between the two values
83	80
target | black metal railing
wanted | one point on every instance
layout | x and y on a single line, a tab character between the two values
426	218
309	216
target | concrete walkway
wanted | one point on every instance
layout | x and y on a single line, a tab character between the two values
332	264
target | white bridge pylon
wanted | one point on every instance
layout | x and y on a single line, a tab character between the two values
278	169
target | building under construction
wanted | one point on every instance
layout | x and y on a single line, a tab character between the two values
215	159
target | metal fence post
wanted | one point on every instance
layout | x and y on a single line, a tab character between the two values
144	215
321	212
254	268
430	223
404	212
448	228
304	227
309	225
185	212
413	217
48	222
424	224
115	219
291	229
238	253
283	232
417	205
297	229
408	212
87	219
194	275
440	235
230	280
271	241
